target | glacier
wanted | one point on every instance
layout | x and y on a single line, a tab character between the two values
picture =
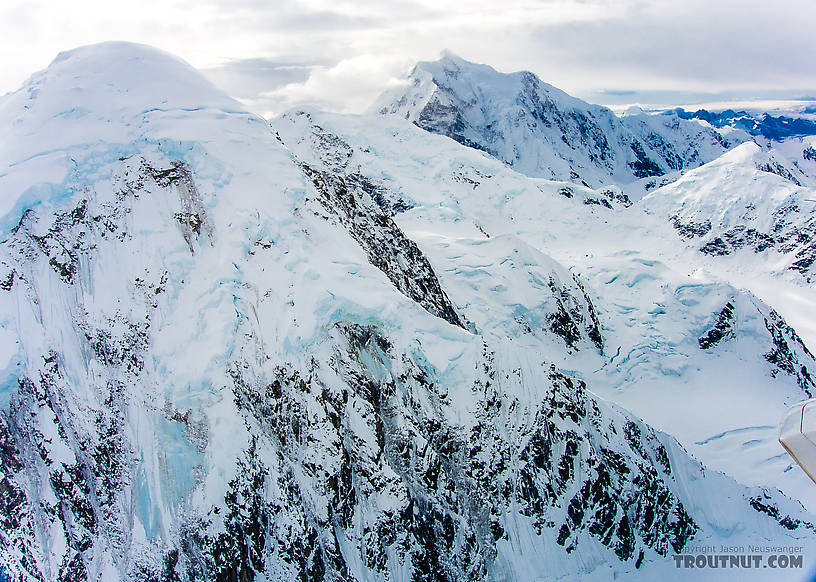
338	347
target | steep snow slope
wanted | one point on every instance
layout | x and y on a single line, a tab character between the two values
484	228
541	131
227	359
751	203
800	153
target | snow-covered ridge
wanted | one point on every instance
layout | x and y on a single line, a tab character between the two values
91	105
755	203
476	220
541	131
337	348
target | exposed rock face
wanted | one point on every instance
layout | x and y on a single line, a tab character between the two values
691	229
70	465
789	234
352	446
723	328
387	247
574	318
786	352
449	487
789	353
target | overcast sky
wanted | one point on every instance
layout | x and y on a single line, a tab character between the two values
340	54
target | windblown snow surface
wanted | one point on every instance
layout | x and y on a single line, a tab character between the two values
344	348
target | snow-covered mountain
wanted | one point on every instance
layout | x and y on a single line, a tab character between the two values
754	203
654	304
543	132
344	348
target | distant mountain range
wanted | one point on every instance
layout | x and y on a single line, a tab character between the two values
776	128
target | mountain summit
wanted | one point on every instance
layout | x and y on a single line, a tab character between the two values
543	132
96	102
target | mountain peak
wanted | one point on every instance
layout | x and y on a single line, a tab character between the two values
543	132
451	66
449	55
114	50
120	76
91	98
448	58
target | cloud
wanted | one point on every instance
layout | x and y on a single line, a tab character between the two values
691	45
619	92
249	78
348	86
340	54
